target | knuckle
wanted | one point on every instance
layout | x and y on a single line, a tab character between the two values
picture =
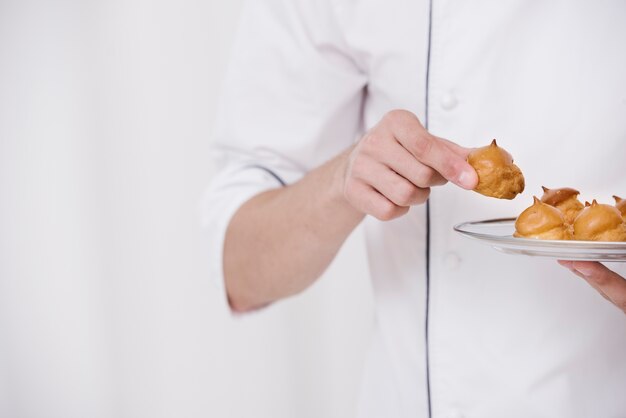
386	211
422	147
361	166
405	193
426	176
368	138
602	279
357	166
371	143
399	117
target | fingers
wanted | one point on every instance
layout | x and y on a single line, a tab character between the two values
569	265
376	189
399	160
456	148
608	283
396	188
443	157
394	165
367	200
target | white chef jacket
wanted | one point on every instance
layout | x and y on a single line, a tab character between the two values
462	330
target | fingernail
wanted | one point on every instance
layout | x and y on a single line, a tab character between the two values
467	179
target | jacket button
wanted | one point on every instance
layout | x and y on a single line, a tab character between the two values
451	261
448	101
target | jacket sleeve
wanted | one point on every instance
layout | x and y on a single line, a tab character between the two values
291	100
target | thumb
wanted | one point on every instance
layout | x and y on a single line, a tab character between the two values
467	178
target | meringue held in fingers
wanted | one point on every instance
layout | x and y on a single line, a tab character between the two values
498	176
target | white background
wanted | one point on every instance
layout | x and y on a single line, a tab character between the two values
106	308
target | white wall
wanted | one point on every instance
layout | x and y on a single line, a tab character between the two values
106	309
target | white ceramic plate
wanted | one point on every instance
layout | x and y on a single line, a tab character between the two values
498	233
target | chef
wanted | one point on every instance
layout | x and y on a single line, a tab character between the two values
344	112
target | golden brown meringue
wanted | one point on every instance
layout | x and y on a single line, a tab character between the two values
599	222
565	200
620	204
542	221
497	175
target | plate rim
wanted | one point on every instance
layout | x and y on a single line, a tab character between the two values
572	244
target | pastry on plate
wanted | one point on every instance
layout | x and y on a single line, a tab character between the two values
599	222
497	175
565	200
542	221
620	204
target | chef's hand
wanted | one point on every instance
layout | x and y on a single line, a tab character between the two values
608	283
394	165
300	227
